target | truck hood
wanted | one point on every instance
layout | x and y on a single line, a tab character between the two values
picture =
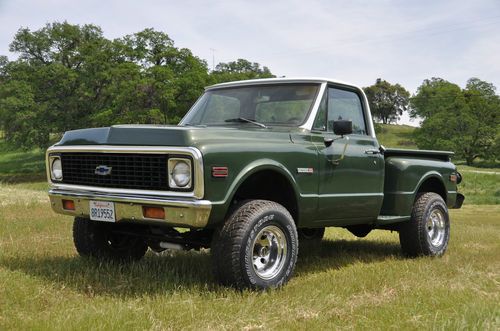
165	135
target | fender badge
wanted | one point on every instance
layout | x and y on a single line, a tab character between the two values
305	170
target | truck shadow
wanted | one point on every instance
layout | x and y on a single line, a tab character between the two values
341	253
177	271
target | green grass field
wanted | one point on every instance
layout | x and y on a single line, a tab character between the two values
21	166
344	283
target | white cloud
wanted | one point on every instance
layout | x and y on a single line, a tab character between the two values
357	41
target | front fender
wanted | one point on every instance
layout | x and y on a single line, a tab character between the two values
220	207
252	168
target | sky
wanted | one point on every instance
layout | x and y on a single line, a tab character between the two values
402	42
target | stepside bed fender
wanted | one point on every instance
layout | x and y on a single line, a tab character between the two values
403	182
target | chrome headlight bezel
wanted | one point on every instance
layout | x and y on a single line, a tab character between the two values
55	176
173	164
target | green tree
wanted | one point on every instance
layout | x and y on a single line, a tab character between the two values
240	69
53	68
387	101
465	121
169	79
433	96
70	76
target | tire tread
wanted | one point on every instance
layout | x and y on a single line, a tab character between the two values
229	239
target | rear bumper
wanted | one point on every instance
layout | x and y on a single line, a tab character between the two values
190	213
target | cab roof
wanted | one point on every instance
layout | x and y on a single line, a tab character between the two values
266	81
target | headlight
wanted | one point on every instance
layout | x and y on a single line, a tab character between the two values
56	172
179	173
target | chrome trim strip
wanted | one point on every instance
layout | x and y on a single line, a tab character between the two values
197	192
312	116
261	81
342	195
368	114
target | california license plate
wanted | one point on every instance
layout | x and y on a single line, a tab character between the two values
102	211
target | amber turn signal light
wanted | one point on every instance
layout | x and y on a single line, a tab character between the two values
68	204
153	212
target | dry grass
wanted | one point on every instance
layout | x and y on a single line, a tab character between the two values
345	282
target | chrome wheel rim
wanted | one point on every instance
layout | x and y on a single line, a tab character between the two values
269	252
436	228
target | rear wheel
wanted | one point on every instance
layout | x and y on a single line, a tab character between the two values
256	247
428	231
96	239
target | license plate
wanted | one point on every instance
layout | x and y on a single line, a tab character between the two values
102	211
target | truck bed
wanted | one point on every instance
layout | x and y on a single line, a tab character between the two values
438	155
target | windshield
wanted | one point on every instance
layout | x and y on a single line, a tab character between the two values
265	105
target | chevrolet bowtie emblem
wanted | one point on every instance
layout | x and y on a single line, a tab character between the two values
102	170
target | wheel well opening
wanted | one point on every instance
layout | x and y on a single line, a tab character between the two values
269	185
435	185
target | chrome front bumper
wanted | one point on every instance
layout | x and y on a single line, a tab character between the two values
190	213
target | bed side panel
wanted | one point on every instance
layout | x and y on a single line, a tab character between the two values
403	177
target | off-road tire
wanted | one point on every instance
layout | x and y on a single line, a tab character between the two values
310	235
96	239
234	243
415	237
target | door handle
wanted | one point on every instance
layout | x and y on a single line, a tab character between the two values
372	152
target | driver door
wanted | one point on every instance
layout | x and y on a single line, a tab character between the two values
351	178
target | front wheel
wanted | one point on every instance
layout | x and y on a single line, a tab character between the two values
428	231
256	247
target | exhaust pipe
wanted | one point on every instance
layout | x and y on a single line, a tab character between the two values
167	245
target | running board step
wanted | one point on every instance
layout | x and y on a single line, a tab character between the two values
384	219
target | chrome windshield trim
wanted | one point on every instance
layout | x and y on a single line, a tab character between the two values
368	114
319	80
312	116
197	192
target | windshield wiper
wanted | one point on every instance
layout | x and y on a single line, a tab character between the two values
245	120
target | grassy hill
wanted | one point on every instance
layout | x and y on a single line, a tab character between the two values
397	136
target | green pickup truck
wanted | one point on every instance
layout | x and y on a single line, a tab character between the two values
253	171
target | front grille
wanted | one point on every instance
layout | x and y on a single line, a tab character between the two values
128	171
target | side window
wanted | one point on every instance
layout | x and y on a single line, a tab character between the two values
345	105
320	121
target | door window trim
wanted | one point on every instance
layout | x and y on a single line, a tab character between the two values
363	108
308	125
